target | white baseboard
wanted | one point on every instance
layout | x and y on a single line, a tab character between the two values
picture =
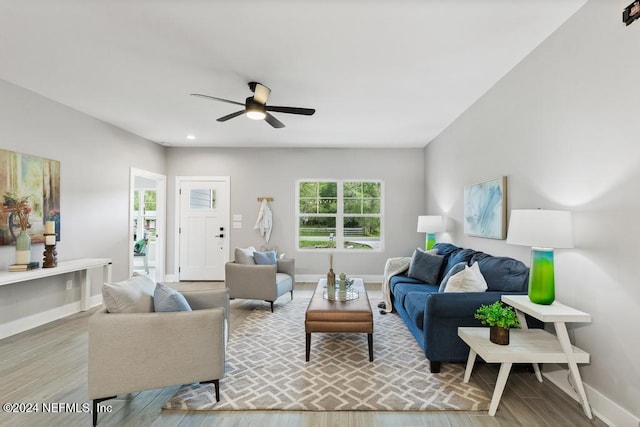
170	278
30	322
603	407
313	278
25	323
95	300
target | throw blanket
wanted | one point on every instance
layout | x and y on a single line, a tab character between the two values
392	267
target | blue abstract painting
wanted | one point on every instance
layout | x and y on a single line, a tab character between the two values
485	209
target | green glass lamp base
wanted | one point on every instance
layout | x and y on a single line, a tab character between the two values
541	276
430	241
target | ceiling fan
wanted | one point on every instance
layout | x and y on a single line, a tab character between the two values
256	108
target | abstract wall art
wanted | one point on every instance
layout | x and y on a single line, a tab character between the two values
485	209
32	179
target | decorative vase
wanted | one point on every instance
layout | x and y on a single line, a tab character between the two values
541	276
331	285
498	335
23	248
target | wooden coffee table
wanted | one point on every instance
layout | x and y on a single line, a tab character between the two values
349	316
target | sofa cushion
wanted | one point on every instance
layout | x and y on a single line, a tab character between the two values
454	270
283	283
265	258
425	266
401	278
415	304
245	255
467	280
504	274
168	299
461	255
402	289
446	249
134	295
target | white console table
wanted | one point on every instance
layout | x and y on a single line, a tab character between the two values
82	265
529	345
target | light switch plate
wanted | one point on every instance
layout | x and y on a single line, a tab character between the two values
237	224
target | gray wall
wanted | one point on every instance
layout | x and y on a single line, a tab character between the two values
273	172
95	159
564	127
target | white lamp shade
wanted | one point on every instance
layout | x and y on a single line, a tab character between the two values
430	224
540	228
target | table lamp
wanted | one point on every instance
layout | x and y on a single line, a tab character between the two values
543	230
430	224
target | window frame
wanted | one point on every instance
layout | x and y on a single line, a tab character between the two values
339	215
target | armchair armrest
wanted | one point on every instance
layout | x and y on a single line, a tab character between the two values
201	299
139	351
288	266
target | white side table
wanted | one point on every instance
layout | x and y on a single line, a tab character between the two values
529	345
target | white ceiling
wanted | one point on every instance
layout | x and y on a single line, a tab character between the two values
379	73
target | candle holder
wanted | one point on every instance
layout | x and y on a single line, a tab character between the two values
50	254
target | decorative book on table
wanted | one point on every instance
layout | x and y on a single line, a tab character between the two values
24	267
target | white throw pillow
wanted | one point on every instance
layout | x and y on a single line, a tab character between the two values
476	269
134	295
466	281
245	256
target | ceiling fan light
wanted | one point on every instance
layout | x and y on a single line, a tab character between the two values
256	115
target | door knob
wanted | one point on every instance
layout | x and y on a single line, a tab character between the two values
219	235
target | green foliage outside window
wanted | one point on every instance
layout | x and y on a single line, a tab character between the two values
350	208
149	200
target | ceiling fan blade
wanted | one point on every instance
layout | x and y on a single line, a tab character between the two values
291	110
230	116
261	93
273	121
216	99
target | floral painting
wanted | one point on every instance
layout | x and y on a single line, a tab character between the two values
485	209
29	196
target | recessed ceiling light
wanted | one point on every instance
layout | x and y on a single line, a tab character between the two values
192	137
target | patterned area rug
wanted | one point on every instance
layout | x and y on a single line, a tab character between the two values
266	370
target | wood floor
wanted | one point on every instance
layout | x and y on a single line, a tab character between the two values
49	364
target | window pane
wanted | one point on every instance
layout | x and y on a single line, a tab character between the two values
203	198
150	200
353	206
328	206
371	206
352	189
308	205
317	232
328	189
308	189
371	189
361	233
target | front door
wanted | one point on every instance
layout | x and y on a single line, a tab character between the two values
204	229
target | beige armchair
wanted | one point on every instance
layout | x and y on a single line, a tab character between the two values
265	282
131	352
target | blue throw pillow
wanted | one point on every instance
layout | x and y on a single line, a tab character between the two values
167	299
265	258
425	266
454	270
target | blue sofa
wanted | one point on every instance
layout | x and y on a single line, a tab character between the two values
433	317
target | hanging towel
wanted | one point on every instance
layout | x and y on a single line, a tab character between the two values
264	223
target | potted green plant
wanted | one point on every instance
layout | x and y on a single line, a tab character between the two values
500	318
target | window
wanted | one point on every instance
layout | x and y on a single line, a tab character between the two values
333	214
